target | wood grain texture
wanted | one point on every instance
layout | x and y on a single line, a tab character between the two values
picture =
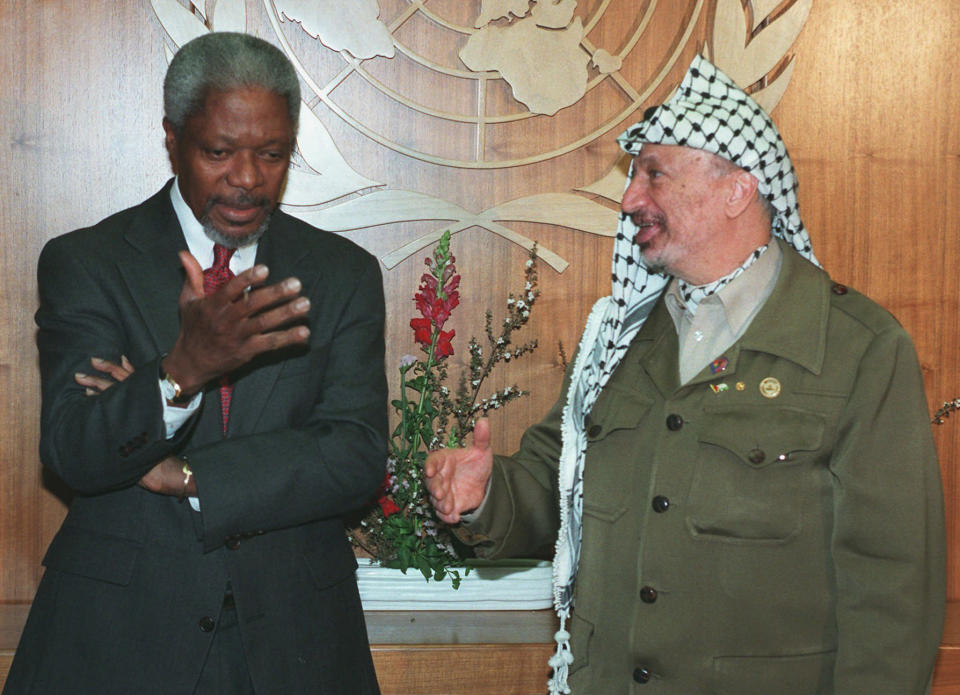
478	669
869	118
6	658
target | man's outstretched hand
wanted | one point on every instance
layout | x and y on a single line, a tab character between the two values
457	478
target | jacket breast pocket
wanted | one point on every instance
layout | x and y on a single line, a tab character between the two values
612	451
754	471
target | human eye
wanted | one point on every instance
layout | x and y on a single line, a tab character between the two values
273	155
217	153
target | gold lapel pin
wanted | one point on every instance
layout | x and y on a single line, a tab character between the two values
770	387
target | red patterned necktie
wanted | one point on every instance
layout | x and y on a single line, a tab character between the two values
214	278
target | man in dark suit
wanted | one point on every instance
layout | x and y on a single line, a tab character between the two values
228	426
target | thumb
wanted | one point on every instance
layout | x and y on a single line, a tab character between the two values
193	285
481	434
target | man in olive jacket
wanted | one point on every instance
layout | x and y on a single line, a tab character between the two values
740	476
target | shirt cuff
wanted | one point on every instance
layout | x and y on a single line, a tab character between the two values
174	417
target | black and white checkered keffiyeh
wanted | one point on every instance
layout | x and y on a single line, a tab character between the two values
708	112
692	295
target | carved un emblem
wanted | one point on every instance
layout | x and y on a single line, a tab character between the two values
490	85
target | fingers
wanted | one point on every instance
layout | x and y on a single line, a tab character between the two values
239	287
94	384
193	285
118	371
275	305
274	340
481	434
97	384
437	465
266	307
451	519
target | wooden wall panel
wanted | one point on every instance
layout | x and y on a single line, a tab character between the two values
868	122
868	117
481	669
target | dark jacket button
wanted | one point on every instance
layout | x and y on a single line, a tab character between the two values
641	674
756	456
674	422
232	542
660	504
648	594
594	431
207	623
839	289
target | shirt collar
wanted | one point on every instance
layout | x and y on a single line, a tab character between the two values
740	298
198	243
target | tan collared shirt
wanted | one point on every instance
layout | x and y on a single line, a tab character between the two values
723	317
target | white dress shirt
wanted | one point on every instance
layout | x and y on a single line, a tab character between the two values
201	248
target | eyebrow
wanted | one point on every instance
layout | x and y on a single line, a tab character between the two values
645	160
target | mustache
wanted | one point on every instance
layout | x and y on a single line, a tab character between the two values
239	200
642	220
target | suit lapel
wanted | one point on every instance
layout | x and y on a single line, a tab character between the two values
286	254
152	270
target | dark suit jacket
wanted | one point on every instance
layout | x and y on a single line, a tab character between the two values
133	578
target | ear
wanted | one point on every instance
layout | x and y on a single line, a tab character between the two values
742	192
170	141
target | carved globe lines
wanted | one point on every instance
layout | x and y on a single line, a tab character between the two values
483	126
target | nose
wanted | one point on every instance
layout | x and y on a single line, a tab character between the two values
635	198
245	171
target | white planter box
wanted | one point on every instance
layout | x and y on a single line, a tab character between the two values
490	586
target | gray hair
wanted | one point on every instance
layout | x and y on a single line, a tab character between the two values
222	61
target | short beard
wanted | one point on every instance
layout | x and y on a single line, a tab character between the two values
655	267
232	242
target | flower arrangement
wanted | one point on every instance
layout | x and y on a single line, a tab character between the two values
400	530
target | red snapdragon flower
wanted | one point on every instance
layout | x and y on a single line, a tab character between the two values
388	506
444	348
421	330
437	297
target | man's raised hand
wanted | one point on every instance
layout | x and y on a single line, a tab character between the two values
457	478
224	330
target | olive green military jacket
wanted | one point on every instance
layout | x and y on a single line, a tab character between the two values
773	527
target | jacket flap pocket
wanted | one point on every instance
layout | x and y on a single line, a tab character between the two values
762	435
94	555
331	566
762	675
617	408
